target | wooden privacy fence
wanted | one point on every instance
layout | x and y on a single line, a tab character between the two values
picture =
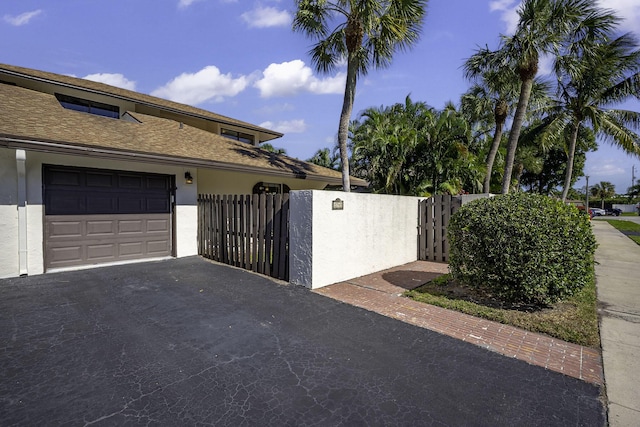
246	231
433	218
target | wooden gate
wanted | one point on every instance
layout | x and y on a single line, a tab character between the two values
433	217
246	231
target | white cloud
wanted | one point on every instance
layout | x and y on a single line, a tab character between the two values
205	85
291	78
607	168
286	126
264	17
117	80
22	19
508	13
628	10
185	3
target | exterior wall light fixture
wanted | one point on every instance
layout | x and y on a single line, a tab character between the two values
188	178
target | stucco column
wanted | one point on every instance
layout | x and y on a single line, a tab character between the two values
21	157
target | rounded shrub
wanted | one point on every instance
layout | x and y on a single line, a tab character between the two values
522	248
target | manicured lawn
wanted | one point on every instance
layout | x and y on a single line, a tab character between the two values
630	229
574	320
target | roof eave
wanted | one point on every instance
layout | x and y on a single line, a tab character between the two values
72	149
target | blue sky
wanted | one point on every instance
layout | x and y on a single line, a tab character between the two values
240	58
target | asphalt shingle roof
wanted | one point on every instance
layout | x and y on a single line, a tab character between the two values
31	116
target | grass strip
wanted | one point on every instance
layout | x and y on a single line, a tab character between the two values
623	225
574	320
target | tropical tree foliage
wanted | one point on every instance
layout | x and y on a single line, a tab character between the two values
544	27
411	148
603	190
590	82
634	190
365	34
270	148
326	158
549	175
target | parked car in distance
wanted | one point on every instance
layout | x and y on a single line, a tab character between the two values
598	212
614	211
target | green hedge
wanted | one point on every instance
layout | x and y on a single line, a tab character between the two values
522	248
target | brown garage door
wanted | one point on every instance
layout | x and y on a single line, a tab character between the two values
96	216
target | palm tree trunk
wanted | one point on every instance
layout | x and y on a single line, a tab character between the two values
345	116
491	157
514	134
571	155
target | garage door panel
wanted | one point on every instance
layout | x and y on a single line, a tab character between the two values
131	226
104	252
98	215
63	177
157	247
158	226
100	228
65	203
66	255
129	249
101	203
157	205
130	181
99	179
59	229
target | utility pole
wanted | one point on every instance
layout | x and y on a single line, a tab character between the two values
587	176
633	176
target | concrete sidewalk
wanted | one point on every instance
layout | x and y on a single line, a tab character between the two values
618	286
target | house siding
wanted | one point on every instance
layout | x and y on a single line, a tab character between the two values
223	182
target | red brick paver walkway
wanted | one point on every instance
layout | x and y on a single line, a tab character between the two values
382	293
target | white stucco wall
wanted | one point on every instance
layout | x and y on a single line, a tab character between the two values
186	200
372	233
8	214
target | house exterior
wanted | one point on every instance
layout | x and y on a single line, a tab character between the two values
93	174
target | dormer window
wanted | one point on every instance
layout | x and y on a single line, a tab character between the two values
86	106
238	136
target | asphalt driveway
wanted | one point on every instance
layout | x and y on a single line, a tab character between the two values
189	342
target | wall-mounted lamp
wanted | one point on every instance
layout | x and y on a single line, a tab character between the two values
188	178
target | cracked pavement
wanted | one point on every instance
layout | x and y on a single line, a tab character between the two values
190	342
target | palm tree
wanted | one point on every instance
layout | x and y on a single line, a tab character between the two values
365	33
326	158
542	26
497	90
603	190
271	149
634	190
589	83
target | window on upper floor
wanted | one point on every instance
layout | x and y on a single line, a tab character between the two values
238	136
86	106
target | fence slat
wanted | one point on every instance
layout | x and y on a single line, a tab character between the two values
434	215
283	249
247	231
277	213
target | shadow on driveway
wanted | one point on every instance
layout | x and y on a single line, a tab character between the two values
187	341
